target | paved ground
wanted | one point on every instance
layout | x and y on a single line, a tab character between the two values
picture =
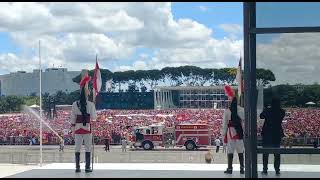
162	170
30	155
11	169
22	161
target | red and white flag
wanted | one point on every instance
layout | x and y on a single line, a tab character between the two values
239	79
97	82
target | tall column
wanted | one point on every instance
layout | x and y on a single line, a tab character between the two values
162	98
167	99
260	99
155	99
170	99
158	98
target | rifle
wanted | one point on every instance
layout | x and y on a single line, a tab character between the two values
91	127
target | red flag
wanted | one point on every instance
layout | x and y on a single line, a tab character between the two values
97	79
239	79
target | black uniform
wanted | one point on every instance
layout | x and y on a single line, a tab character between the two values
106	143
272	133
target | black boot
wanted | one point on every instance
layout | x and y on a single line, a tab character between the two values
277	163
77	154
265	158
88	156
241	160
229	169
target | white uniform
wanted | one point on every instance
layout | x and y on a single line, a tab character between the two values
217	142
229	133
82	133
124	145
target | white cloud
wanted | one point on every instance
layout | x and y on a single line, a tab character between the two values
203	8
231	28
123	68
211	54
73	33
139	65
14	63
51	18
294	58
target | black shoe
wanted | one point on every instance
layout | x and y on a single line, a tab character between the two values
264	172
88	170
241	171
77	155
88	156
228	171
277	173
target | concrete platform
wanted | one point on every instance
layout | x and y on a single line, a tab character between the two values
161	170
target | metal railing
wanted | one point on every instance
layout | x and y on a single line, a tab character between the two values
22	140
16	140
29	157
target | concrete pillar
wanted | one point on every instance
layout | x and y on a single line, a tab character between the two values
260	98
158	98
164	100
161	99
167	99
155	99
170	99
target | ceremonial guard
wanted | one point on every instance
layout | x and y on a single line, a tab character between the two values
232	131
83	111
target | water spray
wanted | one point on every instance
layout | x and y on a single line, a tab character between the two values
30	110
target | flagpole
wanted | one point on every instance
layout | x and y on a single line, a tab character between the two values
94	101
40	72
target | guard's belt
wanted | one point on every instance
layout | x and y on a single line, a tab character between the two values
86	118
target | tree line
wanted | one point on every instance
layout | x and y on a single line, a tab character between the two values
294	95
173	76
290	96
11	104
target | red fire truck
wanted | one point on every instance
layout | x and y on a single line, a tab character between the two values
191	136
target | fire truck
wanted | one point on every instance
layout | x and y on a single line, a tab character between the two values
190	136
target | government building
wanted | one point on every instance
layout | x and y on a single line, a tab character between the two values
22	83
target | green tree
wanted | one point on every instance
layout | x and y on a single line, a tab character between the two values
4	106
177	76
264	76
14	103
31	100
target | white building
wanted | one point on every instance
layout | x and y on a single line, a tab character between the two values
22	83
196	97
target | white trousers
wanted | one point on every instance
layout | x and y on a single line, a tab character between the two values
124	148
78	140
233	145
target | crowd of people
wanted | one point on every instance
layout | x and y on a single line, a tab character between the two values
23	128
302	123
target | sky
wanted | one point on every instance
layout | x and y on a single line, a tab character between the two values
141	36
123	35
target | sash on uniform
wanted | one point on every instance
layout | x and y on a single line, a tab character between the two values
232	133
80	118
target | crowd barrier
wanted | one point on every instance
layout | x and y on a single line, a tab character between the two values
20	140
